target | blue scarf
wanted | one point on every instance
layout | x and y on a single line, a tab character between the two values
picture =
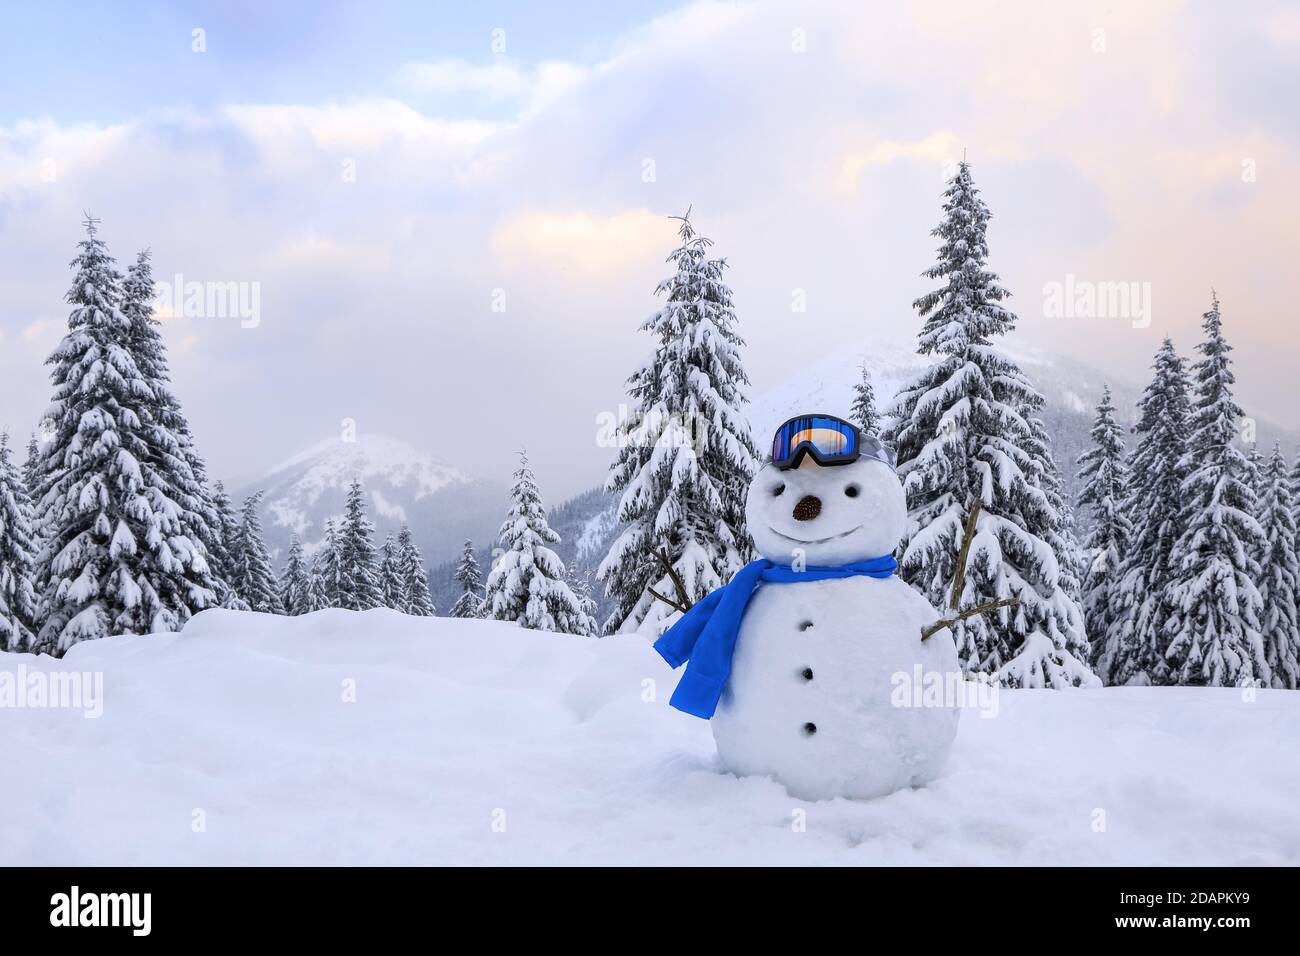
706	634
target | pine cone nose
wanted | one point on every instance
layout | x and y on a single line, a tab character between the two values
808	507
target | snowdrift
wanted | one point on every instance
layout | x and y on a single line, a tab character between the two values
375	738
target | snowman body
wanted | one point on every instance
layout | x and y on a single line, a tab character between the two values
821	695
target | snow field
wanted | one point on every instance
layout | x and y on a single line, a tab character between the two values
476	742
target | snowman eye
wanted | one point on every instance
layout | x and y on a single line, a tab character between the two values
851	491
776	491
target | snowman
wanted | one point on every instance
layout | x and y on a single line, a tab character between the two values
798	660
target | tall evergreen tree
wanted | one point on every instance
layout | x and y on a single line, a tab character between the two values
686	454
121	555
1058	530
1104	474
580	584
864	404
358	572
1295	485
295	582
32	468
391	586
1256	467
326	572
31	486
1279	581
414	575
1214	630
527	582
223	549
254	579
177	456
17	558
1157	467
965	430
470	602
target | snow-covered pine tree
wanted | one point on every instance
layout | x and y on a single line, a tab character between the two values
358	572
120	554
254	579
527	582
1279	579
1255	468
1295	487
32	467
864	411
223	549
317	593
295	582
1104	474
414	575
31	486
580	585
1214	629
685	454
964	431
392	587
1152	502
323	588
1059	531
18	623
176	454
470	602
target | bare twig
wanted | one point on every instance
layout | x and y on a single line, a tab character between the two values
937	626
669	601
683	602
682	596
968	535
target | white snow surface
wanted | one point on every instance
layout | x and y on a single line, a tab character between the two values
458	724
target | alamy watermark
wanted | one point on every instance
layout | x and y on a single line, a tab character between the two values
922	688
24	689
622	428
75	908
211	300
1084	299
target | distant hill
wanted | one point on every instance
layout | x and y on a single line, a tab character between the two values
442	504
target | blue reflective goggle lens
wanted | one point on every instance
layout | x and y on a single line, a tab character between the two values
830	440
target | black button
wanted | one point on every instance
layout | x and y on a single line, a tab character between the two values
807	673
810	729
805	625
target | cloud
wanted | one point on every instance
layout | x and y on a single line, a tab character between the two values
42	329
941	149
500	80
379	226
580	244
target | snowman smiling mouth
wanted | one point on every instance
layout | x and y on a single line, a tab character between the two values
834	537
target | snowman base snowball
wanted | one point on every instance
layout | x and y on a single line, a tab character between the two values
812	699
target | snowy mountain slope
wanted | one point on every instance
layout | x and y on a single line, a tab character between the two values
442	504
375	738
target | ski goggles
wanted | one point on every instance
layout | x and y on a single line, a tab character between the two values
830	441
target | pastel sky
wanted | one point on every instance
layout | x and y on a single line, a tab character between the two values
387	172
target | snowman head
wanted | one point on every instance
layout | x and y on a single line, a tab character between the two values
847	508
